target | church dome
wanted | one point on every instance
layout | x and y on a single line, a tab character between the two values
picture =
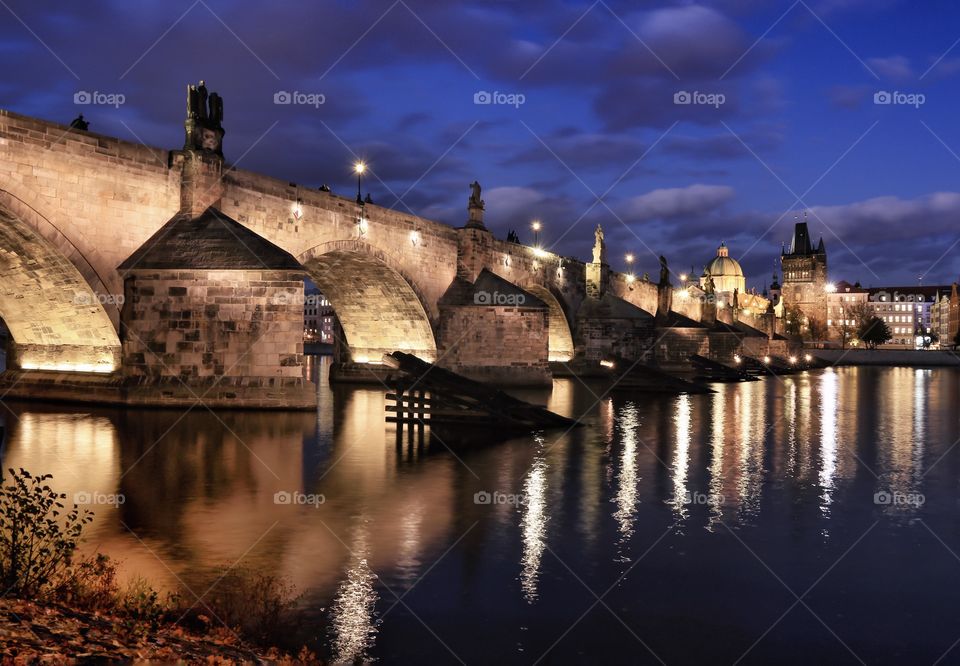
723	265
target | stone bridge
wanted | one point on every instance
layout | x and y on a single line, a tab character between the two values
93	280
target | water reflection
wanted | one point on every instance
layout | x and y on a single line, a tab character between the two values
351	614
828	437
681	494
798	453
533	526
628	421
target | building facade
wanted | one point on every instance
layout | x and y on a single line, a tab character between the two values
318	318
843	301
804	271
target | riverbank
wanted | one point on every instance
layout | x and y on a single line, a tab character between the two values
888	357
32	632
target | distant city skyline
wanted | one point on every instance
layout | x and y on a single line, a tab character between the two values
694	123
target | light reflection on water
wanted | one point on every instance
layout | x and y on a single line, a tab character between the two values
791	463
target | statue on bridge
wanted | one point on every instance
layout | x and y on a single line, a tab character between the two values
664	271
599	247
475	200
475	207
709	287
204	123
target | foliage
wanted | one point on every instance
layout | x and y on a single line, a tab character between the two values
875	332
37	539
793	319
258	604
90	584
816	329
861	314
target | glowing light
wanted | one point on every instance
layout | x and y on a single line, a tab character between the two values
766	360
629	258
414	238
297	210
533	529
684	294
608	364
539	252
535	225
807	358
719	304
683	277
67	366
630	278
793	359
736	358
831	287
359	167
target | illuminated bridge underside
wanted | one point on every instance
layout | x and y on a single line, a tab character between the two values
560	339
379	312
55	318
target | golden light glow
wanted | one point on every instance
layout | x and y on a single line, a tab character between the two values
831	287
536	226
414	238
607	364
683	277
539	252
793	359
629	257
70	366
630	278
807	358
359	167
766	359
736	358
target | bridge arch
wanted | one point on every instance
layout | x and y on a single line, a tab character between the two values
57	321
379	307
560	338
26	205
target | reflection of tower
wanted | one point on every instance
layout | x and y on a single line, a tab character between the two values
805	274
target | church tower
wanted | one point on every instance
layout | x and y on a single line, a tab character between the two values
805	274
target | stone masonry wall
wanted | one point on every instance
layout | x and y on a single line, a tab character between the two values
630	338
506	345
208	324
675	346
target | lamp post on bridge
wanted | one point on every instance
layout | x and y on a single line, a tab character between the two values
359	168
536	226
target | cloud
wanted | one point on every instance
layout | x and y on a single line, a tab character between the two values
849	97
668	203
896	68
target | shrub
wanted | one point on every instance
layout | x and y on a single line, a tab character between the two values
90	584
258	604
37	539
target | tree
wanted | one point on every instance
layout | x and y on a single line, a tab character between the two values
875	332
792	319
817	329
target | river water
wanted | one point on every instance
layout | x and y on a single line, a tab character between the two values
793	519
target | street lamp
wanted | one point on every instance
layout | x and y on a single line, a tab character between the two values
536	226
359	168
629	258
